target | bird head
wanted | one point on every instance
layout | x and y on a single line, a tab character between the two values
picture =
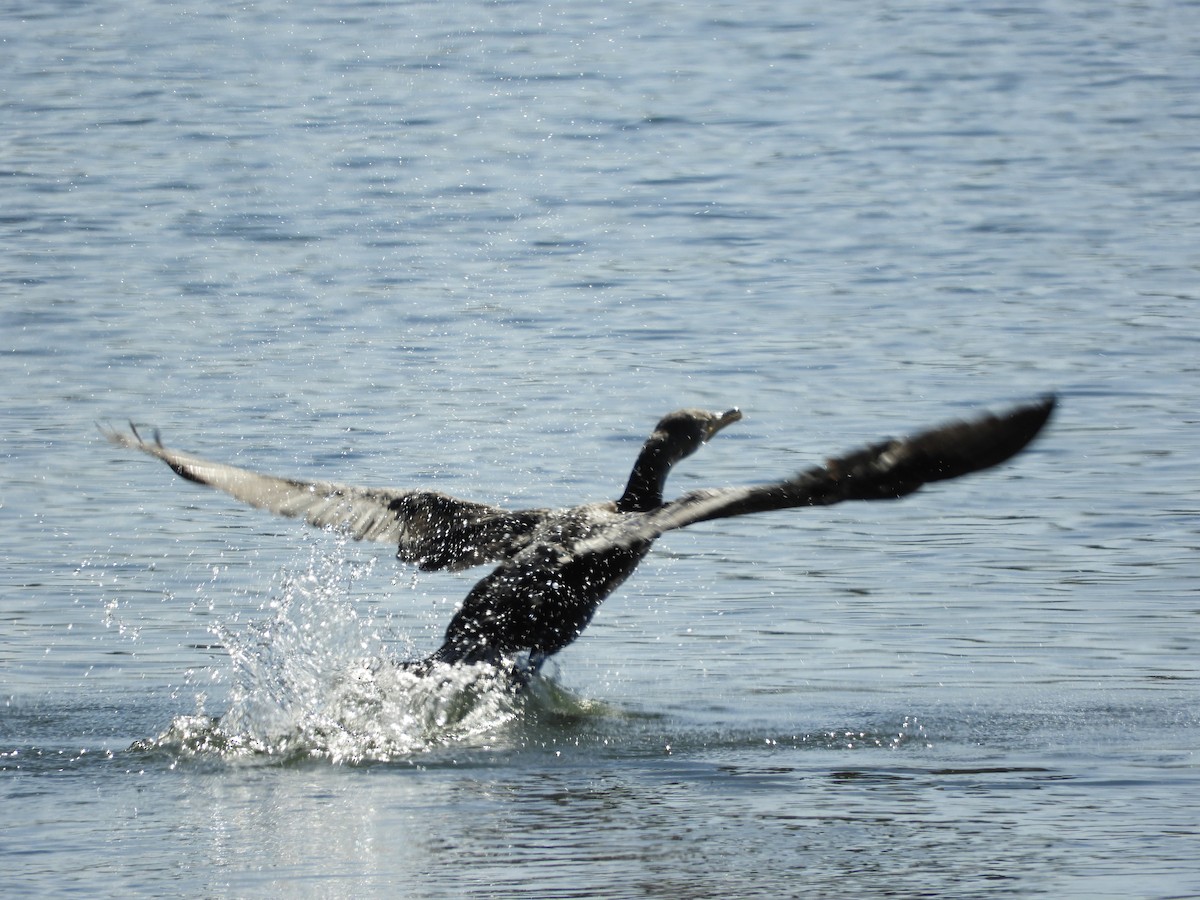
676	435
685	430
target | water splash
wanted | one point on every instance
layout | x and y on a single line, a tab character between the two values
319	677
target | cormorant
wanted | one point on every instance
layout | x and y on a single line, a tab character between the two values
557	565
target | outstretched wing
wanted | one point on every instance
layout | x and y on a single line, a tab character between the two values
883	471
431	529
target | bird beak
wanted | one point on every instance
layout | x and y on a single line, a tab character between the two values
726	418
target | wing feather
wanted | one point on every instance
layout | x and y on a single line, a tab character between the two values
886	470
432	529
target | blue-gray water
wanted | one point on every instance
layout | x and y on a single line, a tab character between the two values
483	246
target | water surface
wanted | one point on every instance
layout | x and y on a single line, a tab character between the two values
483	247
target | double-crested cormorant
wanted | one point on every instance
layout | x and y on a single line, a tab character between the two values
556	566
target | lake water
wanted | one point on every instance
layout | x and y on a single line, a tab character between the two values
483	246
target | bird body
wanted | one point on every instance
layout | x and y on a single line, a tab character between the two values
542	598
555	567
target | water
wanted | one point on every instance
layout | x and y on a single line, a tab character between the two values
482	247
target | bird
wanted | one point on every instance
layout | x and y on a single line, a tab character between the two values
554	567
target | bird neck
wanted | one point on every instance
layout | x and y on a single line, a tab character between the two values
644	491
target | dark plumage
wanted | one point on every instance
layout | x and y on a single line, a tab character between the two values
556	566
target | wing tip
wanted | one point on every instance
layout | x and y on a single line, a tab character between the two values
981	443
131	439
1028	420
